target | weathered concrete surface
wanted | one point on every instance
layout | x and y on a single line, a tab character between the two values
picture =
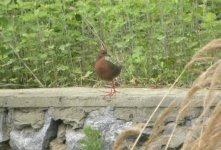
90	97
28	118
72	116
72	104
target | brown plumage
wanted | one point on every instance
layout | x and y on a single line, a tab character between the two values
106	70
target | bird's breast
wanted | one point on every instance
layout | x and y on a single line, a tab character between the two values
104	70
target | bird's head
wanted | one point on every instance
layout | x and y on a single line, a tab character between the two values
102	54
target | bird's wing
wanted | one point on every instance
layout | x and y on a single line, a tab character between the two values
114	69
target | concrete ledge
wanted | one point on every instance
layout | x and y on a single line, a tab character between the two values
91	97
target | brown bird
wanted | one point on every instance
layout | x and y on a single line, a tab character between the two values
106	70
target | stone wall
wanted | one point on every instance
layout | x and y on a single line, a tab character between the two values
43	119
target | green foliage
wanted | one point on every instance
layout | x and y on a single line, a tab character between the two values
93	140
58	39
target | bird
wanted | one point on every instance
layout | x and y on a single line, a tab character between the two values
106	70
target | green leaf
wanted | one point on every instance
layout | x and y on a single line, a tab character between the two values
180	39
161	37
9	62
88	73
62	68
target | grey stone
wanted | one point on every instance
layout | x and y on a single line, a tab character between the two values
179	134
127	114
4	133
72	116
73	139
168	128
102	120
30	139
111	135
33	118
105	121
171	117
179	137
188	123
193	113
176	141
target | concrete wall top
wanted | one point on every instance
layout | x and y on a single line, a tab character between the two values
91	97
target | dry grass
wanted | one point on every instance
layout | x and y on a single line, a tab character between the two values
203	53
158	127
210	138
206	133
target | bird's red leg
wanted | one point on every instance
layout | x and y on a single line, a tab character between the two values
112	88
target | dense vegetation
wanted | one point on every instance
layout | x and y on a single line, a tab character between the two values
55	42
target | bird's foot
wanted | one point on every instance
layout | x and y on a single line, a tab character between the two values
109	94
114	93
